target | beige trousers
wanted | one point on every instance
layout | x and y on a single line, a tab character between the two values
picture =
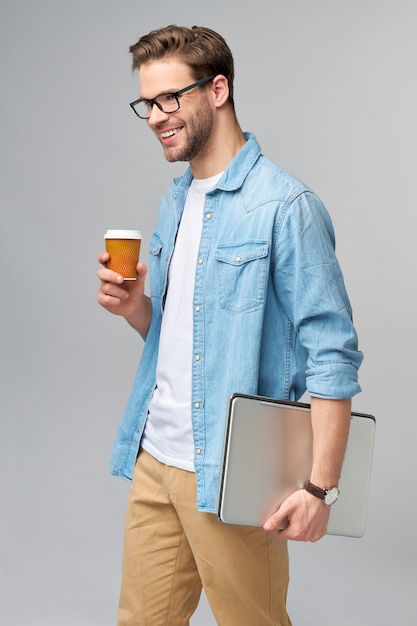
171	550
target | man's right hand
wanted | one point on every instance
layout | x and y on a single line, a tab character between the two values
125	297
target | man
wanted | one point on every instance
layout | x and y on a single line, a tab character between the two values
246	295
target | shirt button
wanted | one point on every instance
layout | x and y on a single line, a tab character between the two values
238	259
196	405
200	261
208	216
198	451
197	357
197	309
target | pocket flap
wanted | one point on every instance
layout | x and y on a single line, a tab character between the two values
240	253
155	245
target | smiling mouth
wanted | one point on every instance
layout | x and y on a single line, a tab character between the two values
170	133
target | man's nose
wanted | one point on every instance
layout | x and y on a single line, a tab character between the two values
156	115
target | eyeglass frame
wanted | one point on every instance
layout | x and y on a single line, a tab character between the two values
175	94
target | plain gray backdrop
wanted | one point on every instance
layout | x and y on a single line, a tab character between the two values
329	88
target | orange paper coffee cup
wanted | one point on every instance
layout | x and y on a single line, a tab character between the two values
123	247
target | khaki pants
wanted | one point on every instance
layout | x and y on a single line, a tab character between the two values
171	550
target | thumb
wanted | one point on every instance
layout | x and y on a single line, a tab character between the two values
141	269
277	521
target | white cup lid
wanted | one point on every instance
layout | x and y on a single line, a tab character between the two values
123	234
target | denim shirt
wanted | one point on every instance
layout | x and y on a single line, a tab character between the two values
271	313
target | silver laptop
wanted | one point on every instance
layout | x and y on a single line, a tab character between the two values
268	455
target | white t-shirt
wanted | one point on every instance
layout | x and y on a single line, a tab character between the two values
168	433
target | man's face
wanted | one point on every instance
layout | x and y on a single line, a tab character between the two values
185	134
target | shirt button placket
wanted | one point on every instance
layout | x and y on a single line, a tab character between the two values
198	380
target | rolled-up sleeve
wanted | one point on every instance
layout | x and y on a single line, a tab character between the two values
311	288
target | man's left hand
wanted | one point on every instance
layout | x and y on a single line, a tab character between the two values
307	518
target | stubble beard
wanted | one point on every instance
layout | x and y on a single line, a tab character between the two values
199	129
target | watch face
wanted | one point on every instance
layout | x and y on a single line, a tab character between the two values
331	496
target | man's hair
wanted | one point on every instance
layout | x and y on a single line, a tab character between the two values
204	50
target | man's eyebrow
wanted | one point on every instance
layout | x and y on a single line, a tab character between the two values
166	92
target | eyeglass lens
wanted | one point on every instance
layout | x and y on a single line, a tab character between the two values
167	103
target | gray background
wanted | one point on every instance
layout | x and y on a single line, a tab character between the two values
329	88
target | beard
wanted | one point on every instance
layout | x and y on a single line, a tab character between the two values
199	128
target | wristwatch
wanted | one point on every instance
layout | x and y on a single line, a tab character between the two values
328	496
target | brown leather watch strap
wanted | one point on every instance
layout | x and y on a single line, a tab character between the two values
314	490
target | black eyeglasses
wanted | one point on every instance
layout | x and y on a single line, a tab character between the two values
166	102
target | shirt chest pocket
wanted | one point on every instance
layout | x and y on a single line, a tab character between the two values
242	270
156	247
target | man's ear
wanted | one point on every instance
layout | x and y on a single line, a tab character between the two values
220	90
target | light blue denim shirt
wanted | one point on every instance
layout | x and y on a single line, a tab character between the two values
271	313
